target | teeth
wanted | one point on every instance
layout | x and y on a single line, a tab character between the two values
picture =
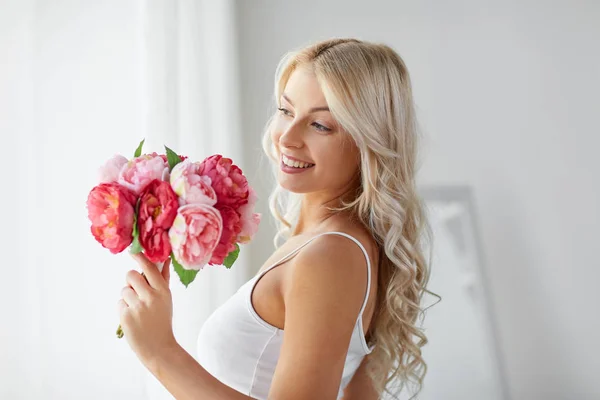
295	164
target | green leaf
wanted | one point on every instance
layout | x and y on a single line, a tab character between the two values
231	257
172	158
138	151
135	213
186	276
136	246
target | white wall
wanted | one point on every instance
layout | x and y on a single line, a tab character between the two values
508	97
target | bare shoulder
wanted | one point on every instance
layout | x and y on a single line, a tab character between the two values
323	294
340	264
331	247
333	260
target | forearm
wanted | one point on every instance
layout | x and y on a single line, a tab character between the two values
186	379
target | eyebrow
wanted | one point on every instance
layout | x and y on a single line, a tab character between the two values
314	109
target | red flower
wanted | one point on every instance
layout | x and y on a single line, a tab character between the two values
227	179
111	209
158	208
231	229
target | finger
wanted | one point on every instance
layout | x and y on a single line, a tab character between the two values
139	284
121	306
166	270
150	270
130	297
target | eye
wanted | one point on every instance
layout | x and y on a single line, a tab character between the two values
284	111
320	127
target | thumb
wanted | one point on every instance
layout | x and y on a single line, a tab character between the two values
166	270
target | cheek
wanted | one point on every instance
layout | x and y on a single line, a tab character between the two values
338	163
277	128
346	161
275	135
345	167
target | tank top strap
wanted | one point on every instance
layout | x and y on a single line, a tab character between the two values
368	269
294	252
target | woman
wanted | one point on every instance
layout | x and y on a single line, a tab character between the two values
351	272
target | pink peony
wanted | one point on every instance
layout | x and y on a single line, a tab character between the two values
111	209
140	171
231	229
109	172
158	208
249	220
227	180
190	186
195	234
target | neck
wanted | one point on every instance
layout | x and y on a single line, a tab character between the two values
314	212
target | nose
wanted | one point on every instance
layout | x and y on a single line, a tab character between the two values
292	136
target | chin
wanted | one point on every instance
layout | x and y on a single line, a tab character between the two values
293	187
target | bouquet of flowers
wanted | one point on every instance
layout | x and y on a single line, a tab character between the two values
166	206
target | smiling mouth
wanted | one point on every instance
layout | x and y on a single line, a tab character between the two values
295	164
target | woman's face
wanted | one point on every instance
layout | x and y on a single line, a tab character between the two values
305	130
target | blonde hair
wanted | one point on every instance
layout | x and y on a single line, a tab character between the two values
368	91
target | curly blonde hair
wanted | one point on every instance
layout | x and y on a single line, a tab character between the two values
368	91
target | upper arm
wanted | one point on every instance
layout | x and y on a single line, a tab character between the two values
322	302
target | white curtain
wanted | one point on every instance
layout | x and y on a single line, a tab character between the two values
81	81
191	79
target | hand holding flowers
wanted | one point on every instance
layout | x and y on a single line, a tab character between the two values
170	208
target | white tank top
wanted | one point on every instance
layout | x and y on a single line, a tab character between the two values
240	349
